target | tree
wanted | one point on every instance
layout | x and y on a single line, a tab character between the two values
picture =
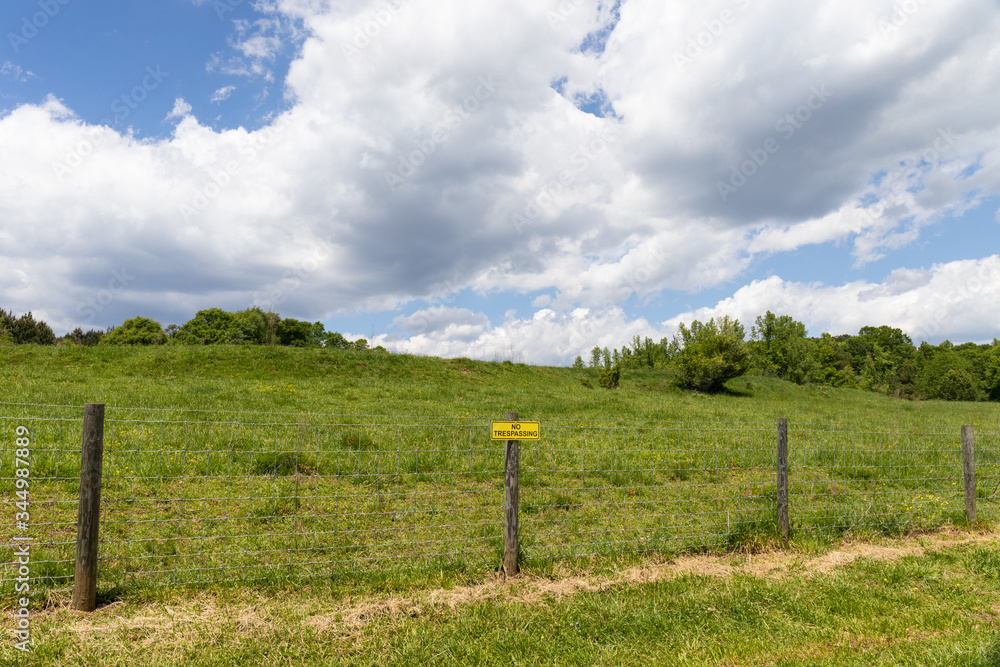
25	330
991	372
595	357
832	363
578	362
78	337
300	333
250	326
771	338
136	331
948	376
958	385
711	354
209	327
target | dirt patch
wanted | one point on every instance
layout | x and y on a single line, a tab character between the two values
351	615
533	590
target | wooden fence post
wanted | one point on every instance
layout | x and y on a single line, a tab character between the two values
969	471
510	502
783	477
89	516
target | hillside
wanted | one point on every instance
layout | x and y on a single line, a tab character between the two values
222	379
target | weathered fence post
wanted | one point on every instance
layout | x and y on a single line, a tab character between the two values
783	478
969	470
510	502
89	516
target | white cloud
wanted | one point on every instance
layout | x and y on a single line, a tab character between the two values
15	72
547	337
955	300
180	109
222	94
505	185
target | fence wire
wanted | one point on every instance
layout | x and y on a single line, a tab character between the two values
198	502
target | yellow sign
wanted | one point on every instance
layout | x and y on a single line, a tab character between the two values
515	430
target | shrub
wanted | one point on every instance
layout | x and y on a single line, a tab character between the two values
957	385
609	378
136	331
711	354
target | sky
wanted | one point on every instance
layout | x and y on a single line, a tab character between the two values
515	179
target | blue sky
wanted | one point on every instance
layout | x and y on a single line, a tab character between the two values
515	179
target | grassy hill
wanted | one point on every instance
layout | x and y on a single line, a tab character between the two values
329	482
222	379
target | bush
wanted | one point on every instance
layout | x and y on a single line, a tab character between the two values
136	331
609	378
78	337
711	354
958	385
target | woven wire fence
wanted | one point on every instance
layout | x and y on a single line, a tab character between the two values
198	502
593	490
202	502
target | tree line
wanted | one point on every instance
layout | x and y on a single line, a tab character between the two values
705	355
213	326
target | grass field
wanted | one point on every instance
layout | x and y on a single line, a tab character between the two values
221	380
926	600
367	472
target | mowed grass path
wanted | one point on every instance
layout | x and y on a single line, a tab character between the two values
920	601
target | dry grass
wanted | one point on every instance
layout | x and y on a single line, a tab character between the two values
254	613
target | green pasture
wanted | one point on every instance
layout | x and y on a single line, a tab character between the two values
231	464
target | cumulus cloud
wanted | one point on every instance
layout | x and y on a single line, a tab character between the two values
954	300
519	147
547	337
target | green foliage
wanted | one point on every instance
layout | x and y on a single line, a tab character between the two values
136	331
947	376
711	353
991	372
24	330
578	362
958	385
78	337
645	353
299	333
609	378
336	341
595	357
772	339
212	326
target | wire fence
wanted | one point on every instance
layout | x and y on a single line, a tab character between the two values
198	502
